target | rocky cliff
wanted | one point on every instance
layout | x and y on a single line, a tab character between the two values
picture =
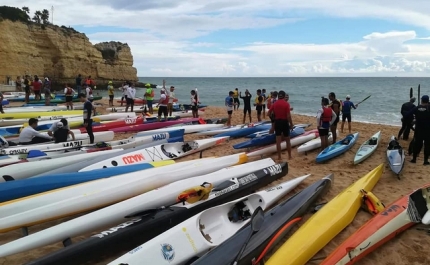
60	53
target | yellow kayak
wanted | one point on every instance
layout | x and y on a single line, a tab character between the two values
28	115
324	225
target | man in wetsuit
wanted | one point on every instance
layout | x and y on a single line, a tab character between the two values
335	105
246	104
422	129
406	122
88	110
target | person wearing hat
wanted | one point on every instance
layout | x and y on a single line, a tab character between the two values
110	93
283	123
149	96
229	104
62	132
422	129
162	105
236	98
54	127
325	118
172	98
347	105
406	121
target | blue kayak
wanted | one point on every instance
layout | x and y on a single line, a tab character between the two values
15	189
337	148
266	140
13	131
244	131
38	104
264	133
5	102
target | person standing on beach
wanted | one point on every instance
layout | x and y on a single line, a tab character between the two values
78	83
229	104
36	88
258	103
263	109
194	103
18	84
406	121
325	118
1	102
124	93
236	99
47	92
110	93
347	105
283	123
172	98
270	102
88	122
162	105
246	104
422	129
131	93
336	105
149	96
27	84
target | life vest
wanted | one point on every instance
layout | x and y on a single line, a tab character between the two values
228	101
90	92
195	194
257	102
340	104
326	115
165	101
69	91
371	203
236	94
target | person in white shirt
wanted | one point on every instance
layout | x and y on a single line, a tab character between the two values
172	98
131	93
124	93
54	127
89	93
162	105
29	135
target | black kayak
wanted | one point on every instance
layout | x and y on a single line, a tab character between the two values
277	223
146	225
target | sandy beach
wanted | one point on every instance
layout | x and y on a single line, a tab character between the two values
408	248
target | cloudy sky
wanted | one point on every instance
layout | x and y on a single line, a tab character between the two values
258	38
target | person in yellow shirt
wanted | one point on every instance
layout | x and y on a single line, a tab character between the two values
236	99
110	93
258	103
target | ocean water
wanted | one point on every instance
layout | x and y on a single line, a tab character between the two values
387	94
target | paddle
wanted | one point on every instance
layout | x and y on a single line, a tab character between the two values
364	99
257	220
411	92
419	91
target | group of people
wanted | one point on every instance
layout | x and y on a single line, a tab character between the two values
35	85
418	117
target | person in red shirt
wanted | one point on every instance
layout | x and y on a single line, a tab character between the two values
37	85
280	111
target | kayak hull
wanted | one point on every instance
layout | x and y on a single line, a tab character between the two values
337	148
395	156
367	148
324	225
154	125
268	139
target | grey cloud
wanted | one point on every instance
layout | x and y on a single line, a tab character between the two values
137	5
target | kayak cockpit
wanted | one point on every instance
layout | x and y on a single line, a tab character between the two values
372	141
178	149
419	206
218	225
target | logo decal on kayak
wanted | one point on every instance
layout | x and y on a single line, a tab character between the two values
274	170
116	228
130	120
193	244
247	179
158	137
73	144
131	159
168	252
391	209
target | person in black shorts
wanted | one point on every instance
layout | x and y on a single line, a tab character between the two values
258	103
27	83
325	118
335	105
236	95
263	94
246	104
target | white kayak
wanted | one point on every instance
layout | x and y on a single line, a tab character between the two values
116	116
11	122
163	196
187	129
36	155
81	139
223	129
22	171
206	230
312	144
158	153
367	148
88	196
272	148
395	156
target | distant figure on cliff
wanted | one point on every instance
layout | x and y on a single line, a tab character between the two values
78	82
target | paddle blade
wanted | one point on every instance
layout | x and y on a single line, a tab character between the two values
411	92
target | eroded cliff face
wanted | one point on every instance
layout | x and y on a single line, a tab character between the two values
61	54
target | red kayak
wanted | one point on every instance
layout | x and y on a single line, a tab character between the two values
114	124
140	101
156	125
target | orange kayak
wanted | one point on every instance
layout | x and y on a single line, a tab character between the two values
396	218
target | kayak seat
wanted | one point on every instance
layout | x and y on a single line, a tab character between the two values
394	145
373	141
186	147
168	154
346	141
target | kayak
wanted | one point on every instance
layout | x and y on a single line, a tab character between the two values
30	169
265	150
241	132
206	229
12	190
114	124
395	156
312	144
337	148
76	167
224	129
263	133
384	226
83	139
106	241
277	223
11	122
325	224
88	196
270	139
58	101
155	125
187	129
158	153
140	101
28	115
367	148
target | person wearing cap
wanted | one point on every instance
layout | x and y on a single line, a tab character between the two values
110	93
229	104
406	121
54	126
162	105
149	96
336	105
194	104
283	123
422	129
29	135
172	98
62	132
347	105
236	98
87	111
325	118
